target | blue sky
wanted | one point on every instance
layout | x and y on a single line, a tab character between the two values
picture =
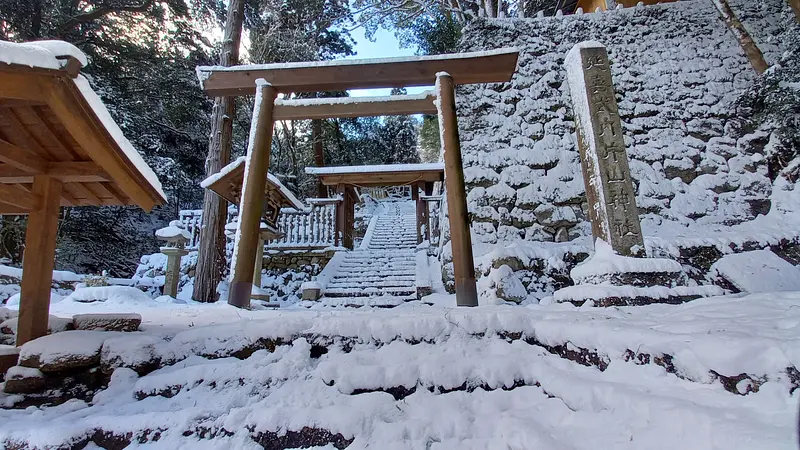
385	46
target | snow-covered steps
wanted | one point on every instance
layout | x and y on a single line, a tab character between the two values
383	271
492	377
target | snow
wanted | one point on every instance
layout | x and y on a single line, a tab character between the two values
758	271
112	295
601	291
605	262
113	129
60	48
425	167
174	230
203	72
353	100
271	179
516	393
28	55
58	347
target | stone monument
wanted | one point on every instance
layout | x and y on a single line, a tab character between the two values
604	162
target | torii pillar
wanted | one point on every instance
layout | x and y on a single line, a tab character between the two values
251	206
460	239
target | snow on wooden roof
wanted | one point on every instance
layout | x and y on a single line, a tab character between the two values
494	66
227	183
53	123
379	175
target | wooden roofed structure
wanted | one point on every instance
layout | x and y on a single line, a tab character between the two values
59	146
266	81
420	177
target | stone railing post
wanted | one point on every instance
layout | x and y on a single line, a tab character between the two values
604	162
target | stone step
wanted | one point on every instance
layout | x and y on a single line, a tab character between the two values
375	271
369	279
378	265
381	286
371	292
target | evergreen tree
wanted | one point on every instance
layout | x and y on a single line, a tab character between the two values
142	56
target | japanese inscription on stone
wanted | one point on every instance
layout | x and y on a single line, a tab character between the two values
604	162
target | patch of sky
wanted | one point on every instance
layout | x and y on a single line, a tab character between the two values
385	45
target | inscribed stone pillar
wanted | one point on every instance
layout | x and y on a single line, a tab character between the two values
604	162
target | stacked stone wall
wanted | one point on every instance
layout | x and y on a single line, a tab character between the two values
677	71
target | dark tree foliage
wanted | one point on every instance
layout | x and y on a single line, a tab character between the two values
142	55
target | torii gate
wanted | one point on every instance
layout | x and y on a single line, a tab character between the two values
266	81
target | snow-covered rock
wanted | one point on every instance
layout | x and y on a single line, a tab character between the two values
64	351
758	271
107	322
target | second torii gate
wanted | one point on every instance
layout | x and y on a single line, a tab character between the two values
266	81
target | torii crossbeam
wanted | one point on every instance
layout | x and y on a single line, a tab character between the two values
445	71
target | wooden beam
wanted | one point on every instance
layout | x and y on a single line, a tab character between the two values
21	158
330	108
252	203
379	179
67	172
19	198
19	84
460	239
318	76
38	260
11	210
72	110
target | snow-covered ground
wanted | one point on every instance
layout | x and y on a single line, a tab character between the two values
417	376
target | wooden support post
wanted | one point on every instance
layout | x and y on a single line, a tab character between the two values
38	260
319	154
341	209
252	203
258	264
420	209
460	239
427	210
350	217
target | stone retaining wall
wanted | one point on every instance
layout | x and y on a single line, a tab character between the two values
677	70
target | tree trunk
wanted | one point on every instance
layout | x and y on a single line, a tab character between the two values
211	256
795	5
319	154
750	48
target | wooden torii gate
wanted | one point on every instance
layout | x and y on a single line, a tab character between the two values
266	81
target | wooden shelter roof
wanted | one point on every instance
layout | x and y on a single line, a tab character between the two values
53	123
495	66
227	183
379	175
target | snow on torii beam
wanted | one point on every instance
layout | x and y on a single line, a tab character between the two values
494	66
341	107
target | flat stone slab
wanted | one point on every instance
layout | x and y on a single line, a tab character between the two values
605	266
609	295
107	322
24	380
758	271
64	351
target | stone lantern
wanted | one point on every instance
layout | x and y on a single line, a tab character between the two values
176	238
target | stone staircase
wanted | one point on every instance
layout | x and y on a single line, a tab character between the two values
384	266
